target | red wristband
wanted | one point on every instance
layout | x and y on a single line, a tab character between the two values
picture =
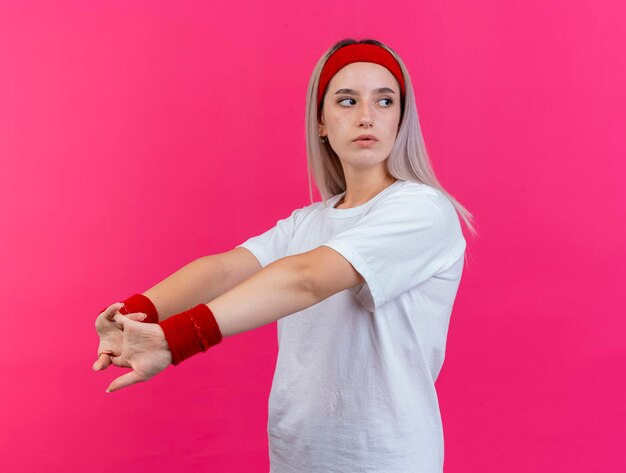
140	303
191	332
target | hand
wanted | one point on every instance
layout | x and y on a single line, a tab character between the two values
111	334
144	349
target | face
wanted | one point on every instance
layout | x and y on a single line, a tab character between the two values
362	110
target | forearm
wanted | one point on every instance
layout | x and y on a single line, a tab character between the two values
193	284
277	290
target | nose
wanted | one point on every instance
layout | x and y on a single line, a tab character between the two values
365	115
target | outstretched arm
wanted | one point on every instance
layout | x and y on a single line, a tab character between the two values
283	287
279	289
201	280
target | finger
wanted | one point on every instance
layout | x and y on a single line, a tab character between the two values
119	361
138	316
124	320
103	361
121	319
123	381
110	312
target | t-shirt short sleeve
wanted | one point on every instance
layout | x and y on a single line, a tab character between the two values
274	243
399	243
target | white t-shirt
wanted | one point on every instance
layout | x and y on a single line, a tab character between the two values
354	386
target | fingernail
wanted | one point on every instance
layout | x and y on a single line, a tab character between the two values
107	391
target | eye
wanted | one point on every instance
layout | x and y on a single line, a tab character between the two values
350	98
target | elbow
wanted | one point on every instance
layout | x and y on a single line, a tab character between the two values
303	275
325	272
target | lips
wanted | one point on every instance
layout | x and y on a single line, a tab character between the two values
366	138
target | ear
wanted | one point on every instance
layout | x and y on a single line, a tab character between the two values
321	128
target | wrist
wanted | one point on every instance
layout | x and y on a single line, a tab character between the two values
191	332
140	303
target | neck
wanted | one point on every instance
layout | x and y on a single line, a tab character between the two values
358	195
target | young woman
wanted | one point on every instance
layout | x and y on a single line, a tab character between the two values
362	285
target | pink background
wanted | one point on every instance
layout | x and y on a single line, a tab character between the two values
136	137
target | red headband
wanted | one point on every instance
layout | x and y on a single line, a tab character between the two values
357	52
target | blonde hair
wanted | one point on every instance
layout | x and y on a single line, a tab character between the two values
408	160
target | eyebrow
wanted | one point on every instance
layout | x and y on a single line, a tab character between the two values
382	90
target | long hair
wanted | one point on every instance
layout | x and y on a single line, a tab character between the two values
408	160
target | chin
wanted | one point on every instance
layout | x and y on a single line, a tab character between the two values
363	161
